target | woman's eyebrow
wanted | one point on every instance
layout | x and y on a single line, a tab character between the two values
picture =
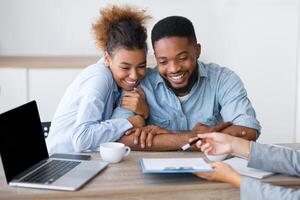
126	63
143	63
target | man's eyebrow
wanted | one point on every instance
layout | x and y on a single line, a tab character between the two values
162	57
181	53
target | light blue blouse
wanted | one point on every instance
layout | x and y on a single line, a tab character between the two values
82	119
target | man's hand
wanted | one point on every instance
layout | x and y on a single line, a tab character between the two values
222	172
136	121
228	128
145	135
202	128
241	131
136	102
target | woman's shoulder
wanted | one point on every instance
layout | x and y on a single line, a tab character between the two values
95	76
97	71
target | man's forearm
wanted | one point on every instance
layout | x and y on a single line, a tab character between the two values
162	142
235	130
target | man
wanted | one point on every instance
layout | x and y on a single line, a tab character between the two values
187	95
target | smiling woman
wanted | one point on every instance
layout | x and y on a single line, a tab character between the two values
82	120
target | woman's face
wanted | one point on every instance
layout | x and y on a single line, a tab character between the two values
128	67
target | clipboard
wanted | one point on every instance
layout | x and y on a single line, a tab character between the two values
174	165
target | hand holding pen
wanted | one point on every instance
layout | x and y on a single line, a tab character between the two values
204	129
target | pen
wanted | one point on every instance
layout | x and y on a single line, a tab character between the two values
189	145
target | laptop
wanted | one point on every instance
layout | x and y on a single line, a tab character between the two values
25	158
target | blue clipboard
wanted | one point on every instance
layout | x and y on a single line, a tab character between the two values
173	169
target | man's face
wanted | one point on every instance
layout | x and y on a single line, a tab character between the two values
128	67
176	59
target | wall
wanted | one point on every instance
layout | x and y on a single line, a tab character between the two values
259	39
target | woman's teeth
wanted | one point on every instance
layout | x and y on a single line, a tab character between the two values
130	82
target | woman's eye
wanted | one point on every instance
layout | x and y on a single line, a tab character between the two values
142	66
124	68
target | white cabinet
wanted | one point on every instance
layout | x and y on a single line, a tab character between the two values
13	88
47	87
44	79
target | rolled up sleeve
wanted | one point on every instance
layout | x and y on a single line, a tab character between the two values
235	105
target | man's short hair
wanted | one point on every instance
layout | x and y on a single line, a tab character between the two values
173	26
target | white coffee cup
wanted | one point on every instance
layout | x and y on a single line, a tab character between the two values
215	158
113	152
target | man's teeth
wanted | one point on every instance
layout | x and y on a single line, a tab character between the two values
178	77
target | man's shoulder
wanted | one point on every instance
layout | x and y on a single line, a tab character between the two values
213	69
152	77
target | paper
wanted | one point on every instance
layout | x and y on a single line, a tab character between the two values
240	165
174	165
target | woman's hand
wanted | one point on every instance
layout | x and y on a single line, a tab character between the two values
222	172
136	102
221	143
214	143
136	121
145	135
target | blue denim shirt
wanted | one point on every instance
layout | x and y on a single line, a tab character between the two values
82	119
218	95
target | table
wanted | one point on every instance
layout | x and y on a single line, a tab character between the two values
126	181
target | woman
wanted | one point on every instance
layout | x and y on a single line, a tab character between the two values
260	156
82	119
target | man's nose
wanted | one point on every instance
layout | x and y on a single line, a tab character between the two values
173	67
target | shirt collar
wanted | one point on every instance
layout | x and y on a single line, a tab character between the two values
202	73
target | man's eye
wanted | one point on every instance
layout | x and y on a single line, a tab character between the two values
182	58
163	62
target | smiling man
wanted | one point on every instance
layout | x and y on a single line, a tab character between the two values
186	96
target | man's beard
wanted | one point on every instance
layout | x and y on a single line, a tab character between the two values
186	89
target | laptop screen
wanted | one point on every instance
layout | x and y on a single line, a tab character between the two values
22	142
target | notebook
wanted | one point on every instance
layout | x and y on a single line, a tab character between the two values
174	165
25	158
240	165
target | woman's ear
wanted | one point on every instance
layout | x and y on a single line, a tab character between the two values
107	59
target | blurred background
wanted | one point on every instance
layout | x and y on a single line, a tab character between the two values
44	44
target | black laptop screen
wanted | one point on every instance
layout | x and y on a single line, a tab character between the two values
22	142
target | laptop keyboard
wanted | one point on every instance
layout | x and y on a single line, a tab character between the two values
50	172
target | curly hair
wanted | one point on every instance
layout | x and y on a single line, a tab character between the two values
120	27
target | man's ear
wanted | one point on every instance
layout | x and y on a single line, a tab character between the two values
198	50
107	59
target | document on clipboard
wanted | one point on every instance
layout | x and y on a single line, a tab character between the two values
240	165
174	165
